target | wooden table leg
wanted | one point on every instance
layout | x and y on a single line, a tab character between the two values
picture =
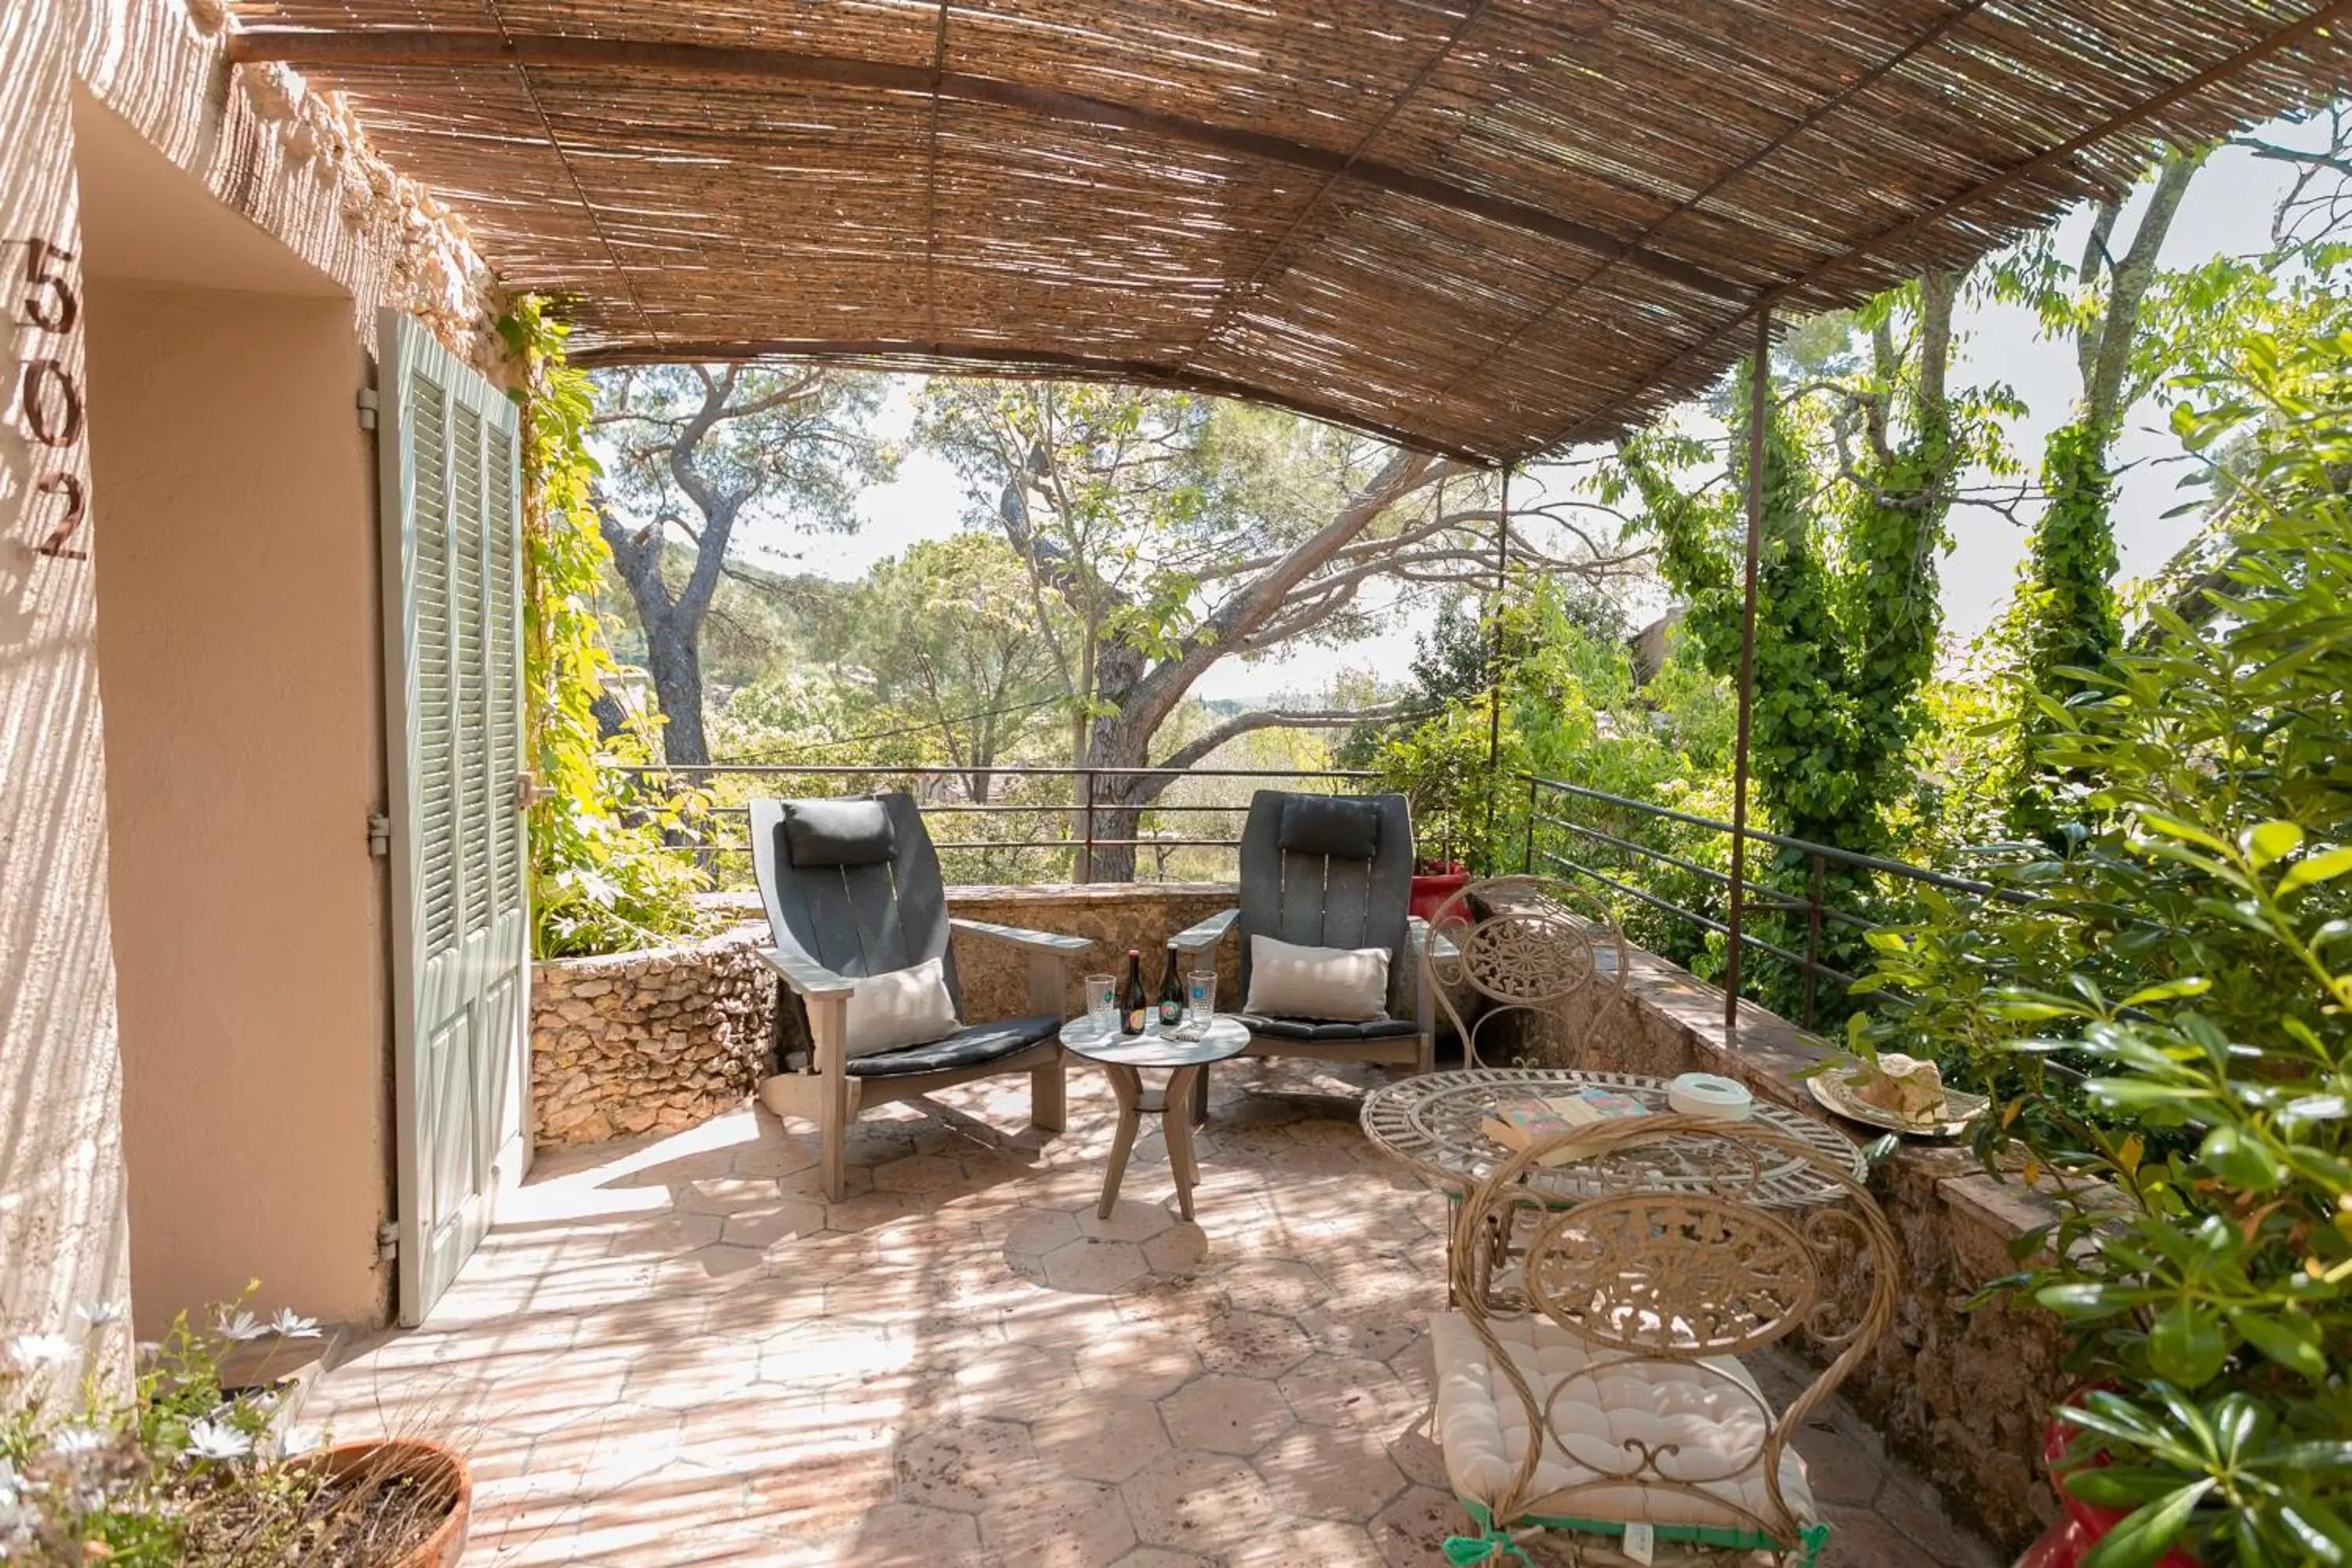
1128	1085
1178	1121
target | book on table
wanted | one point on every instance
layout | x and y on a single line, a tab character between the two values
1520	1124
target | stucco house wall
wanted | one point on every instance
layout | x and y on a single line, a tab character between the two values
292	171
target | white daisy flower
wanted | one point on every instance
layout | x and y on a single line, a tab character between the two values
244	1326
290	1324
217	1441
33	1351
70	1440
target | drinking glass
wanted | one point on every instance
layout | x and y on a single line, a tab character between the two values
1200	997
1102	1002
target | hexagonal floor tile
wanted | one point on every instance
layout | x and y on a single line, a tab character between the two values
1041	1232
1411	1531
917	1173
1130	1220
965	1465
1100	1437
1095	1268
1197	1503
1348	1391
1324	1474
909	1535
1064	1523
1225	1415
1252	1344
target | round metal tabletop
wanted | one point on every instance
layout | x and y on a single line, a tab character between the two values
1431	1122
1226	1038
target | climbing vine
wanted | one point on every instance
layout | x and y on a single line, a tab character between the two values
2064	617
602	880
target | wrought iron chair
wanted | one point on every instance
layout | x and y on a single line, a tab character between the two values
1610	1326
1529	956
853	890
1328	871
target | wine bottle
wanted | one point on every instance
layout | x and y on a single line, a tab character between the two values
1134	1007
1172	993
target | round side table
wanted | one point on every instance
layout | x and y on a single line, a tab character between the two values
1125	1059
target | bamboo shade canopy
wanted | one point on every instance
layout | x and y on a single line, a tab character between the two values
1482	227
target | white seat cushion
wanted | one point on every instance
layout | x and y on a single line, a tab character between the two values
1716	1429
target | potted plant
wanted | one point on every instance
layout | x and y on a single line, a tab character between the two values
182	1471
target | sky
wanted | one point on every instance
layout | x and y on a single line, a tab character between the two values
2228	211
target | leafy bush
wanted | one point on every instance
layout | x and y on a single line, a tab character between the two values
602	880
2183	942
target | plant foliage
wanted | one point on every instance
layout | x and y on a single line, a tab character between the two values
601	878
2183	942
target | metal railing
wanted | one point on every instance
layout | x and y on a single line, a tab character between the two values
1622	852
1072	814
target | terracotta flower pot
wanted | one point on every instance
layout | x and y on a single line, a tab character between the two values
438	1472
2081	1526
1429	891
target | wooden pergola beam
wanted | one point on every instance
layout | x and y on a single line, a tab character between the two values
999	360
457	50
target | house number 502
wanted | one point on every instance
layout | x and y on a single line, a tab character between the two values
47	393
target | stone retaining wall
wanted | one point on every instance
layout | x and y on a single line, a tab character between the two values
646	1042
1962	1396
663	1039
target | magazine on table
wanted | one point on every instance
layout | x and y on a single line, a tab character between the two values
1521	1124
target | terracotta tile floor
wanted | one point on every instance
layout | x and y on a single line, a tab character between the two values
673	1352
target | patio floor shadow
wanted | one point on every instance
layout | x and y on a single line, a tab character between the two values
673	1352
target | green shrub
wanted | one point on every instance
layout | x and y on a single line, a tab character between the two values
2184	943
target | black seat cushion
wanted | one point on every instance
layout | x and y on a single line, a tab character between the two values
1329	824
837	833
974	1045
1325	1029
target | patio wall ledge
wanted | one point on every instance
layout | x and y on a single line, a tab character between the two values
665	1038
1961	1395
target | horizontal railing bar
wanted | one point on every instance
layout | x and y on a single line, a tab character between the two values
999	809
1695	918
1804	845
941	770
1761	892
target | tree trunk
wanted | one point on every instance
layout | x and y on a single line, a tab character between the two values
676	664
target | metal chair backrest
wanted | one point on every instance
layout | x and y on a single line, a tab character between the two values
1525	955
868	918
1682	1270
1295	890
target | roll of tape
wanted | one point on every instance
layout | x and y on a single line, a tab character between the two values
1710	1094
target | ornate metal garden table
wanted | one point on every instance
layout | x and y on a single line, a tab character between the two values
1430	1122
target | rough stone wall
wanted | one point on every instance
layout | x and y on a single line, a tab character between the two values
1962	1396
646	1042
1117	915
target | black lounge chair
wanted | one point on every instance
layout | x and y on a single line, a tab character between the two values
853	890
1330	871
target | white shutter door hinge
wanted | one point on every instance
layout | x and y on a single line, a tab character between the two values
387	1242
368	407
528	792
378	834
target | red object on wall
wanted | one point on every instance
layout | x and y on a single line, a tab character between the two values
2082	1526
1428	893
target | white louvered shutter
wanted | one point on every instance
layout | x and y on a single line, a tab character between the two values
448	446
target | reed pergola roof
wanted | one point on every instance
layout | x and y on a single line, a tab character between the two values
1485	228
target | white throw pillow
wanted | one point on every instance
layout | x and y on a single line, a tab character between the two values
904	1008
1336	983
